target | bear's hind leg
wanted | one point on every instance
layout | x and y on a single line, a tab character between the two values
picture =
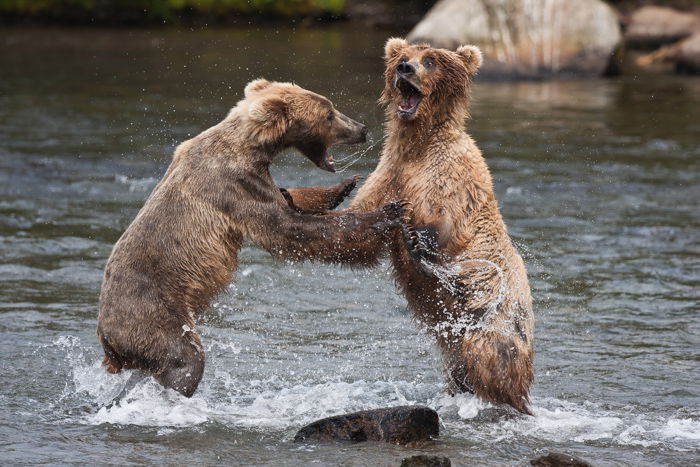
183	365
112	364
111	361
495	367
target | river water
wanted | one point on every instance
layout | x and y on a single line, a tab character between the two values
597	181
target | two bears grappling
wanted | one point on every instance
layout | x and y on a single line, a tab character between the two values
429	205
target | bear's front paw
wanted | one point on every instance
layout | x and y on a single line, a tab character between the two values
393	215
345	188
398	211
421	243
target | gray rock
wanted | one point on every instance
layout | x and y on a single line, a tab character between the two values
654	26
398	425
426	461
558	459
527	38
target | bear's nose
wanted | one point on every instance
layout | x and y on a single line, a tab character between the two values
363	131
406	68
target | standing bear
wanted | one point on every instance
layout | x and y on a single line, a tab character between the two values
181	249
458	269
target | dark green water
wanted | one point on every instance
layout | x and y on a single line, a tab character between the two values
597	180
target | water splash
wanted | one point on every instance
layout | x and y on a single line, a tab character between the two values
361	152
447	274
275	405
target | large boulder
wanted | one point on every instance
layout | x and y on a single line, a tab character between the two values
652	26
527	38
685	55
398	425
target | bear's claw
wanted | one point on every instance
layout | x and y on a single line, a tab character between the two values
421	243
396	210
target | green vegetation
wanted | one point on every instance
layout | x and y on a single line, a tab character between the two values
166	10
178	11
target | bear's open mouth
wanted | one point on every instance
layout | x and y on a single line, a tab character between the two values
327	162
317	152
410	97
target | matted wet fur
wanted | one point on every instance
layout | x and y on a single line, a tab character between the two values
458	268
181	249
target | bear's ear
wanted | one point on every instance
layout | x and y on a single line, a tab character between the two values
270	117
393	46
471	56
256	86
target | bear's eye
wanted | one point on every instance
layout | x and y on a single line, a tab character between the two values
330	116
428	63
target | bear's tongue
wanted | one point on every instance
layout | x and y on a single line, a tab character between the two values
408	103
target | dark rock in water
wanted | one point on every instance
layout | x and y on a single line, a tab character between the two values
426	461
558	459
398	425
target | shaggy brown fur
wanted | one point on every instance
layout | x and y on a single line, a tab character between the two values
321	198
181	249
460	273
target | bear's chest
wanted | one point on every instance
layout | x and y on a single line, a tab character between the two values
423	191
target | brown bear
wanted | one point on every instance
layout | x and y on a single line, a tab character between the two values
461	275
181	249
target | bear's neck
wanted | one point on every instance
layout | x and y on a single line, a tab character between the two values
233	141
411	140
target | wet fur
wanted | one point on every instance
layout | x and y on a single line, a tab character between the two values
181	249
322	199
433	163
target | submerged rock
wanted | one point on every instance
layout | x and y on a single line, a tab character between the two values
685	55
652	26
426	461
527	38
558	459
398	425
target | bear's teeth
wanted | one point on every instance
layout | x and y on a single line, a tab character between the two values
409	103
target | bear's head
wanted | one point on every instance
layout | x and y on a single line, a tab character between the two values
422	82
280	115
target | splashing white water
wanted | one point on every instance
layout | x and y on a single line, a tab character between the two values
447	274
276	405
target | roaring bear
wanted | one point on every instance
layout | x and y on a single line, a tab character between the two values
457	267
181	249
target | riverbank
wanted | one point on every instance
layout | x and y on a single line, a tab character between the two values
154	13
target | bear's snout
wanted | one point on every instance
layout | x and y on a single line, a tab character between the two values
406	69
354	132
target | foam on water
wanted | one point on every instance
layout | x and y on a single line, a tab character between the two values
682	428
148	404
290	407
277	405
